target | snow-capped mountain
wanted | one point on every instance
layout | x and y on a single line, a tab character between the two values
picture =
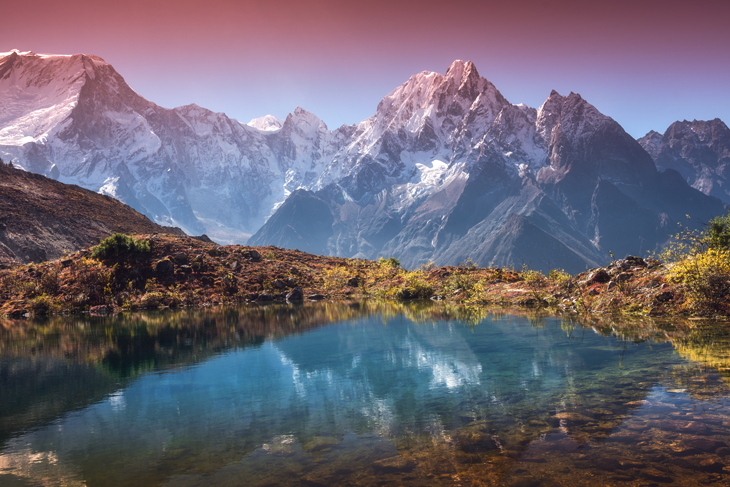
699	150
75	119
446	169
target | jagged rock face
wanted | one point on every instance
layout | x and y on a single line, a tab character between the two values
698	150
74	118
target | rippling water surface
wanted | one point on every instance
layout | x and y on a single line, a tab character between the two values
361	394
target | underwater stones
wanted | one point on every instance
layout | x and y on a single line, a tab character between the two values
692	427
394	465
703	444
573	417
318	443
474	441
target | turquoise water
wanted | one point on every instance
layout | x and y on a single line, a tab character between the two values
361	394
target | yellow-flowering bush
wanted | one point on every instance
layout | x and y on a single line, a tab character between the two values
336	278
705	278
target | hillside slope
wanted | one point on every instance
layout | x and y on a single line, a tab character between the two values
41	218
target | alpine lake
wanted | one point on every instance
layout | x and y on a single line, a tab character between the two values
362	393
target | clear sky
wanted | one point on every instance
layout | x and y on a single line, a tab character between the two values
644	63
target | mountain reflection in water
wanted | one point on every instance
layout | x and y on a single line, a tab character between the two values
361	393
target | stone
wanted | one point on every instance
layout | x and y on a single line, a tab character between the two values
252	255
573	417
234	265
315	297
296	294
181	258
164	267
600	276
665	296
611	285
704	444
319	443
185	269
623	277
99	310
635	261
353	282
264	298
279	284
394	465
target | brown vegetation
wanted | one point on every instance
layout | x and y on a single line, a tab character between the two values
186	272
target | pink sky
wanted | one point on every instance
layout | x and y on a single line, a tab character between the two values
645	63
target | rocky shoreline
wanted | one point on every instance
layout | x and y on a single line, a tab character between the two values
187	272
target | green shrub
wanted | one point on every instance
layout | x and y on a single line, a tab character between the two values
389	262
415	286
151	300
559	276
43	305
118	245
718	232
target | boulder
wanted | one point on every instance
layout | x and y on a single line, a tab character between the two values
251	255
264	298
164	267
296	294
599	276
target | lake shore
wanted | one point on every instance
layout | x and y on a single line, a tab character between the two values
187	272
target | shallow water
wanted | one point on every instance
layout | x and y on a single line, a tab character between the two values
361	394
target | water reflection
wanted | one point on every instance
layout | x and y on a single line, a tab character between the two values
408	394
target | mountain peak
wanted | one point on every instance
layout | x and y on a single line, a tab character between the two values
267	123
462	72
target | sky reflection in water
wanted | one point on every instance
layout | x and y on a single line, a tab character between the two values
360	394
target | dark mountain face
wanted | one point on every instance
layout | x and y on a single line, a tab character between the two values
698	150
303	222
41	218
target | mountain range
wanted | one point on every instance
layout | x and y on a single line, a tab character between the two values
446	169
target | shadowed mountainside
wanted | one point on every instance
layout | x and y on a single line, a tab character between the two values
41	218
